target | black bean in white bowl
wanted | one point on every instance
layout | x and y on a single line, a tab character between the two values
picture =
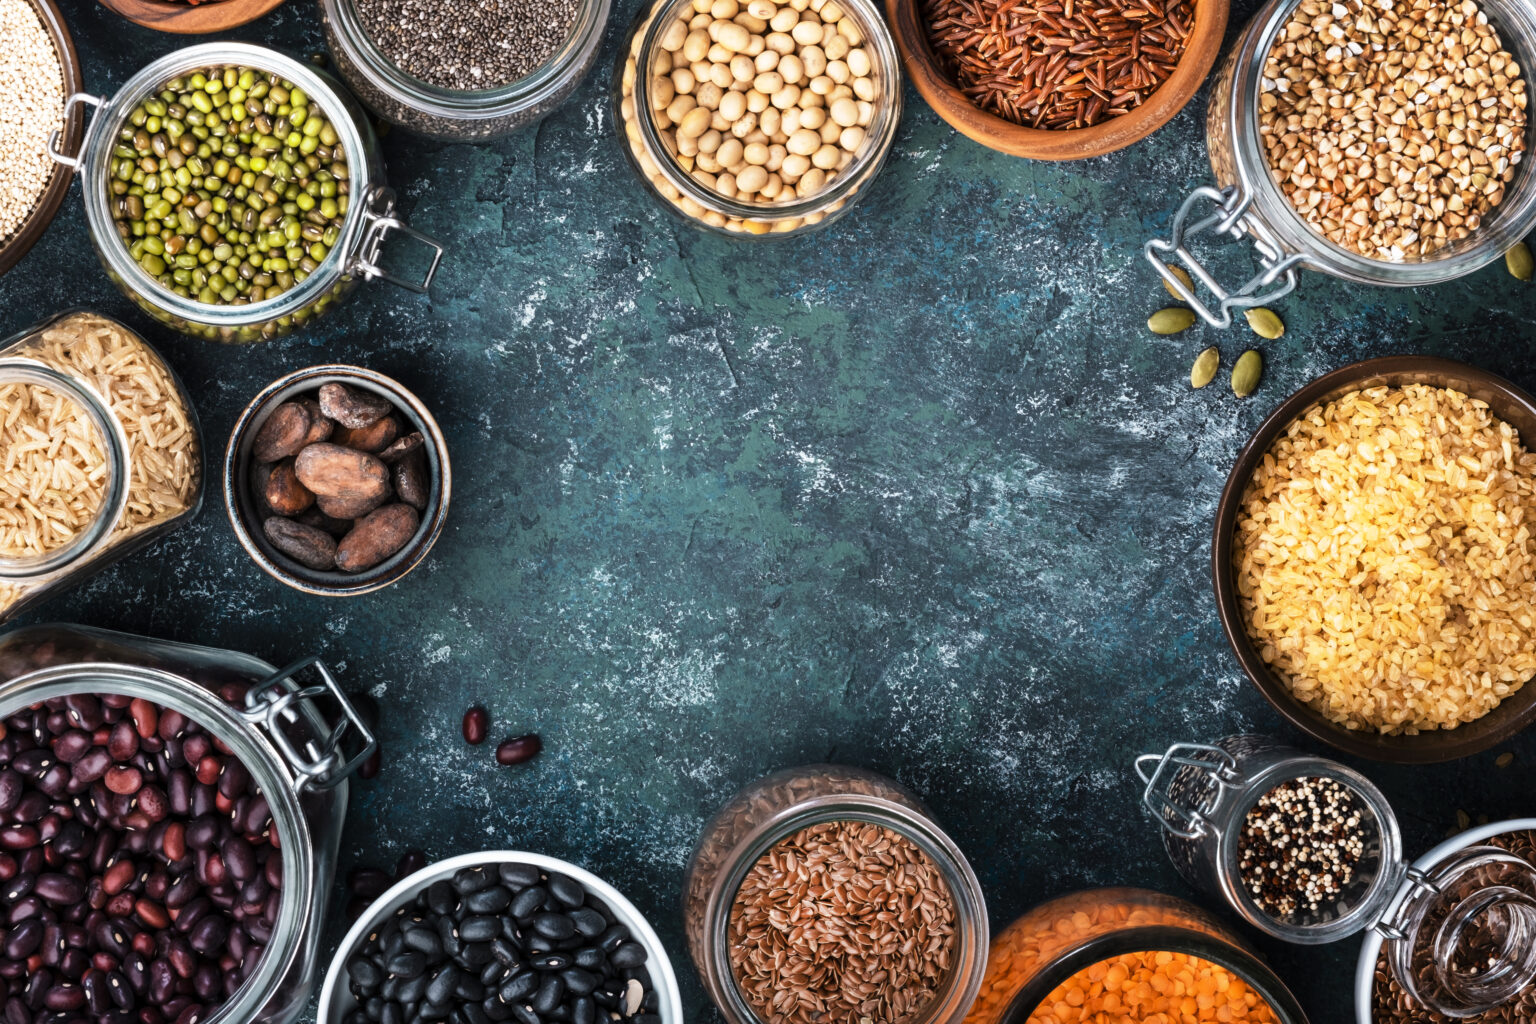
497	937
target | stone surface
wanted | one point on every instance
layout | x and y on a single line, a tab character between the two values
919	493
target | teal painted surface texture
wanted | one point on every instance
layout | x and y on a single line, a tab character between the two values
919	493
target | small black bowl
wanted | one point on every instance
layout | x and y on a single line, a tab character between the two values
241	506
1507	402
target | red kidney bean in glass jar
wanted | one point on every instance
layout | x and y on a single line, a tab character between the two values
139	874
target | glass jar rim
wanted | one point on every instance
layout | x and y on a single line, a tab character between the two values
95	160
960	987
256	755
1278	219
1161	938
114	500
848	180
465	104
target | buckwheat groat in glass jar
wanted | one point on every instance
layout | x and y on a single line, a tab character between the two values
761	118
833	838
100	453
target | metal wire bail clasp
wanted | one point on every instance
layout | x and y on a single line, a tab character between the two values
1225	219
56	137
271	705
1184	821
380	222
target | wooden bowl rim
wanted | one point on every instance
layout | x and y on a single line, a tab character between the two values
1067	144
47	207
186	19
1507	401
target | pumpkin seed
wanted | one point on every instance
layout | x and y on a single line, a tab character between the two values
1184	278
1171	320
1264	322
1245	373
1518	260
1204	370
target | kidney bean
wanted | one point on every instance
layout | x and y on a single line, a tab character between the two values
37	988
24	939
174	842
124	780
257	817
71	746
57	888
209	934
31	808
96	997
182	891
410	862
208	768
84	710
178	790
19	837
234	780
123	743
151	913
70	841
55	781
146	717
476	723
64	997
117	877
213	872
162	981
204	801
156	885
274	870
119	990
181	957
519	749
172	724
136	972
153	802
8	867
12	786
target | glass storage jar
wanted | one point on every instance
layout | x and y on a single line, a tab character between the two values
150	447
645	62
459	115
1466	901
1247	203
776	807
1058	940
368	222
298	740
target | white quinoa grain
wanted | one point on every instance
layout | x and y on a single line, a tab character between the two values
30	74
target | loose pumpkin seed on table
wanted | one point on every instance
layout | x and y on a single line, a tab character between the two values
1204	370
1246	372
1264	322
1171	320
1518	260
1184	278
229	186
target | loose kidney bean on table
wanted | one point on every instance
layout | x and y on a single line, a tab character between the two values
139	873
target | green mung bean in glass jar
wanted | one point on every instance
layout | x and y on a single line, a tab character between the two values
236	194
229	186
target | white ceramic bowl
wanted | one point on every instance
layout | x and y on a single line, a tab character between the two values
336	999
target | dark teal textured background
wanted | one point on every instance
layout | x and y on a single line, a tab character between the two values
919	493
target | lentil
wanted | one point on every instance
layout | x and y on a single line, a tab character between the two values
1300	846
1059	63
229	186
841	922
33	80
1392	128
1152	986
468	46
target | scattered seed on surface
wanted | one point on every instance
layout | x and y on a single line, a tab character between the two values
1171	320
1504	760
1245	373
1264	322
1518	260
1184	278
1204	370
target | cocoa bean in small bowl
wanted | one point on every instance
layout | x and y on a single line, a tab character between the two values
336	480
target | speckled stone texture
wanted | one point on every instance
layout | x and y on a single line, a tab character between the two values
918	493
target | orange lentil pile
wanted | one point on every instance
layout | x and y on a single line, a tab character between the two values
1154	988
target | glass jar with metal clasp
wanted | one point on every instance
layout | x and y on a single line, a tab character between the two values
1247	204
293	731
354	249
1458	926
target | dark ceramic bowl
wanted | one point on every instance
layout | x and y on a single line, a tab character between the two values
1510	404
241	505
31	229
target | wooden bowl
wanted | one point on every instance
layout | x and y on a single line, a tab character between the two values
1515	712
42	214
936	86
188	20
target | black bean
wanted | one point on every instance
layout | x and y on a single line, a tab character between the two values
479	929
579	981
469	989
524	1014
441	897
592	958
519	987
513	933
412	991
527	903
489	901
583	1010
442	985
496	1010
505	952
374	1008
567	890
433	1011
391	1013
425	941
476	955
448	933
645	1018
554	926
494	973
519	876
629	954
468	880
365	973
588	922
551	962
550	992
406	965
474	1014
369	883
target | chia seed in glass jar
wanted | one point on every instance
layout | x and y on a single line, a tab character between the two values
468	47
